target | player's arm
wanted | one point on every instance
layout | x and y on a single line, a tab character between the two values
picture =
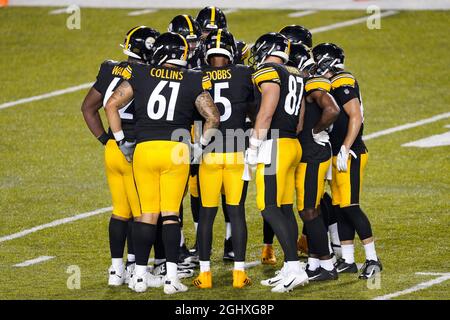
270	94
353	109
90	106
301	118
330	109
208	110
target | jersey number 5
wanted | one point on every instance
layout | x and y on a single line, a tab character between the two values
294	96
218	98
157	104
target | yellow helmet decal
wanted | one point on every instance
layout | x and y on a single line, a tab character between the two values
191	29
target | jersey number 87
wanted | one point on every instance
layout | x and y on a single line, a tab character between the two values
294	96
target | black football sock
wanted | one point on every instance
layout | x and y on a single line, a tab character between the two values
225	209
160	254
345	227
117	235
144	235
282	229
359	220
317	234
288	212
326	207
195	208
267	233
171	234
180	217
238	231
205	232
130	248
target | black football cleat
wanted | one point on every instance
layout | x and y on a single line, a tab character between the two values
184	255
370	269
320	274
228	254
344	267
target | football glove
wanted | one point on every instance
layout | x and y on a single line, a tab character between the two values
196	152
251	160
321	138
342	158
127	148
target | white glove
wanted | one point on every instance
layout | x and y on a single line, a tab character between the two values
196	153
321	138
342	158
251	160
127	149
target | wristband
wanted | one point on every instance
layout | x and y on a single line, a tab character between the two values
255	142
119	135
103	138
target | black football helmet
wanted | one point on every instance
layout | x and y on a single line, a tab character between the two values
211	18
300	57
327	57
220	42
170	47
190	29
242	52
269	44
298	34
139	42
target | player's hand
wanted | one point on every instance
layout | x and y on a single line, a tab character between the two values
342	158
196	153
251	157
321	138
127	148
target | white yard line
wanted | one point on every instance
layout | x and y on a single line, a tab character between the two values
402	127
141	12
229	11
299	14
423	285
58	11
33	261
54	224
46	95
350	22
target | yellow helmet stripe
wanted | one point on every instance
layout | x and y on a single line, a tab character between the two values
191	29
186	47
127	42
288	47
213	15
219	36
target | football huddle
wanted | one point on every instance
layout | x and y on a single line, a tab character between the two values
195	112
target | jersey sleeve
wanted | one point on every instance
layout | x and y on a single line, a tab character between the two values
265	74
317	83
101	84
206	82
344	87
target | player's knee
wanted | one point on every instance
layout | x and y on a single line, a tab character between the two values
309	214
170	218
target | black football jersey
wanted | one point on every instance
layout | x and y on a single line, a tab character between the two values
110	76
344	88
313	152
285	118
232	91
165	101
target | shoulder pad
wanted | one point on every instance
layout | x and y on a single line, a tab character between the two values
342	79
317	83
206	82
265	73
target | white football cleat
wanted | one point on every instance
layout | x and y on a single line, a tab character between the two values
291	281
279	276
116	278
129	270
154	281
138	283
174	286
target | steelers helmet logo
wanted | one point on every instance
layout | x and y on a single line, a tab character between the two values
149	42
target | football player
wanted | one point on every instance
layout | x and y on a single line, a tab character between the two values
166	95
349	160
319	112
297	35
275	150
223	165
136	46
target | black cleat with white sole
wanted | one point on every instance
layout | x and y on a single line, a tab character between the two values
370	269
321	274
344	267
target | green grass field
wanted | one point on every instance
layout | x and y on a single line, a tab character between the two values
52	167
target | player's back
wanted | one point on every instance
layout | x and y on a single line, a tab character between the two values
232	91
164	100
290	80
